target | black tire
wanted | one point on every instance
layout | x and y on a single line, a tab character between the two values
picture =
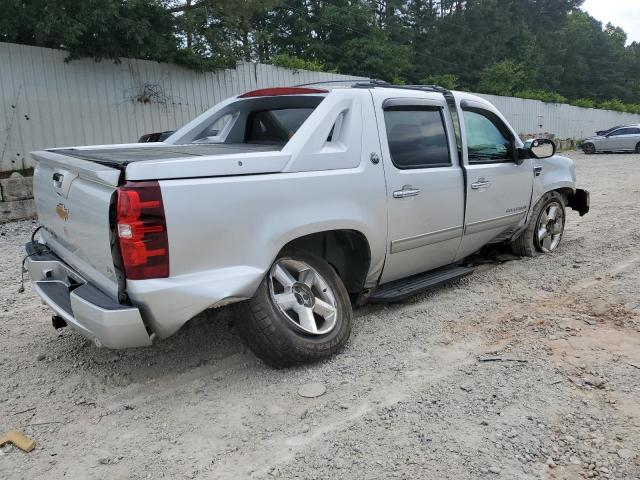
588	148
272	336
638	148
527	245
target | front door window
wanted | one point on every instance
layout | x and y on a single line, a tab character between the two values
488	140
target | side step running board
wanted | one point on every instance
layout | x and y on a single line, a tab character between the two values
407	287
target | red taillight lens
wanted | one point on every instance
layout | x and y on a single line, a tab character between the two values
142	231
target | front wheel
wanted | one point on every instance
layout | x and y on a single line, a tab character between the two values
545	228
638	148
300	313
589	148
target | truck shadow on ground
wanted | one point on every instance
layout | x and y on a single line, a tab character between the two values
209	340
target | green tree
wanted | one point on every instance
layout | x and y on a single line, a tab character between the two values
502	78
296	63
583	102
544	49
614	104
101	29
446	80
542	95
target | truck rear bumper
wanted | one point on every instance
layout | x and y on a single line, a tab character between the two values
85	308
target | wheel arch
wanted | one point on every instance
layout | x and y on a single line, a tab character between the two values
524	243
565	187
566	192
574	198
347	251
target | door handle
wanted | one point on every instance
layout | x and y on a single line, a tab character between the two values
407	191
481	183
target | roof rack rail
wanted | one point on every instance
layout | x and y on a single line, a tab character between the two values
436	88
373	83
346	80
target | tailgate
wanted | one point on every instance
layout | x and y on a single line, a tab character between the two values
73	200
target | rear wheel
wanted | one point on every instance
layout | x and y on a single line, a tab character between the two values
589	148
545	228
300	313
638	148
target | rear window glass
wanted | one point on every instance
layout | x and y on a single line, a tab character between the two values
214	133
417	138
275	126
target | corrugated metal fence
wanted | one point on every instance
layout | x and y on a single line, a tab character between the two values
46	102
531	117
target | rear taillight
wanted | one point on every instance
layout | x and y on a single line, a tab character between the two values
142	231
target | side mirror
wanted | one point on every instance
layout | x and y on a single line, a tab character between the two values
541	148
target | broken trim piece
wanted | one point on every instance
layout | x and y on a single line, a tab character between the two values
579	201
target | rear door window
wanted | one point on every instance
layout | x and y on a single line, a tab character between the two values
275	126
417	137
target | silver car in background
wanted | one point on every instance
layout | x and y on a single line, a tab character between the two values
623	139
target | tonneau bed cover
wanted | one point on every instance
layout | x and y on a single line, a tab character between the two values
121	157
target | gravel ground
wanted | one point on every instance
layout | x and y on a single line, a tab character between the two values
525	369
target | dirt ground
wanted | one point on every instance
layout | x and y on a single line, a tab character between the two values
525	369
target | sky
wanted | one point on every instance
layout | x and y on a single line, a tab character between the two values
621	13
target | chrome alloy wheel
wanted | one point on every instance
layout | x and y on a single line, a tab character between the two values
303	296
550	227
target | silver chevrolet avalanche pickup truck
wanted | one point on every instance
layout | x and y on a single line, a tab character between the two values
293	204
